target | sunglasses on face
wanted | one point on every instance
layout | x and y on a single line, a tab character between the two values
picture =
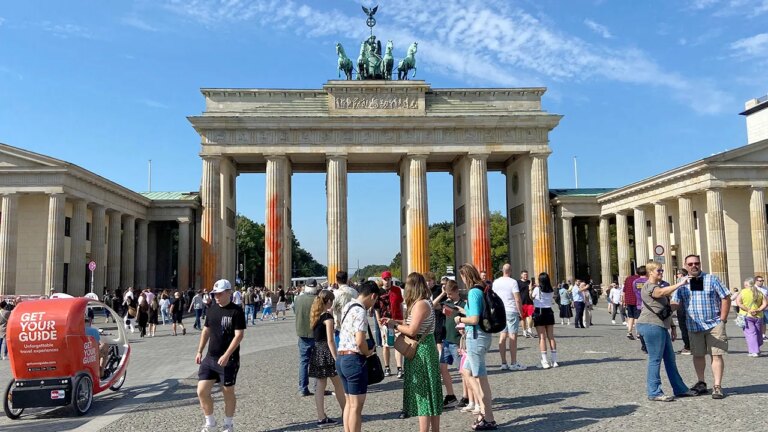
659	271
696	264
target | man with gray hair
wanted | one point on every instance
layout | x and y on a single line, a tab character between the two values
303	306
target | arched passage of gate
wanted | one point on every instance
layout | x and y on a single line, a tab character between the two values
404	127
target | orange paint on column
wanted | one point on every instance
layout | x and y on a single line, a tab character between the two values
418	242
481	248
273	244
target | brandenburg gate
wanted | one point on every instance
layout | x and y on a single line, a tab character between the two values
402	126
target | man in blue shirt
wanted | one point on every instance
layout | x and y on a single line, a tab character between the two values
707	303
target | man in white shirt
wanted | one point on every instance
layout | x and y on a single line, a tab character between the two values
615	298
343	295
509	292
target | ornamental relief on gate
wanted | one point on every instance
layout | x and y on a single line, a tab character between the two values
437	136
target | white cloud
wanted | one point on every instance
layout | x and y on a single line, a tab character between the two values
153	103
485	42
66	31
136	22
752	47
724	8
598	28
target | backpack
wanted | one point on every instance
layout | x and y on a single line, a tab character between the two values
493	316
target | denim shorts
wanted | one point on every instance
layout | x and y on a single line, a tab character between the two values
449	353
353	373
476	350
513	323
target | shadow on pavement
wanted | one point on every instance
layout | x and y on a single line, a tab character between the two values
567	418
750	389
599	360
519	402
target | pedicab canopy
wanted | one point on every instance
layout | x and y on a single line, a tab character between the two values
47	339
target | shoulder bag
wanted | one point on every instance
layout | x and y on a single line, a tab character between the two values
407	345
372	362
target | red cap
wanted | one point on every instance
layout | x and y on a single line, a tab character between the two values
386	275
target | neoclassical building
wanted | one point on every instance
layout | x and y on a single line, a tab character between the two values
714	207
57	217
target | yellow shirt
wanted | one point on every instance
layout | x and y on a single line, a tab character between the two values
748	302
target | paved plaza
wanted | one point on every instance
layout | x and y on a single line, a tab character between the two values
600	385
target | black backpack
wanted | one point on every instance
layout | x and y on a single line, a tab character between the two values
493	316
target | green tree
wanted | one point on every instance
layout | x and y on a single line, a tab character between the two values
499	244
441	250
369	270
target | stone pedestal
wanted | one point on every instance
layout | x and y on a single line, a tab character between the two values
183	256
277	228
77	265
758	225
8	243
127	277
336	198
622	247
568	248
141	253
479	218
211	221
54	254
541	216
662	232
605	252
687	230
98	250
718	259
641	237
114	250
414	178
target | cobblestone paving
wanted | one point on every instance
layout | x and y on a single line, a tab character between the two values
600	385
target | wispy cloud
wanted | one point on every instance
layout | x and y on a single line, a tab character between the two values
752	47
598	28
485	42
66	31
138	23
153	103
723	8
11	72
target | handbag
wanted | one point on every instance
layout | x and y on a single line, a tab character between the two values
132	311
372	362
407	345
741	321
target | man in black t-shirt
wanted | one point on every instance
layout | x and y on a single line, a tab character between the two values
223	332
526	315
177	312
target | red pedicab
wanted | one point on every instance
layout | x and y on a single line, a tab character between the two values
54	361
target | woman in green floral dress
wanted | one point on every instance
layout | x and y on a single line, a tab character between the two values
423	391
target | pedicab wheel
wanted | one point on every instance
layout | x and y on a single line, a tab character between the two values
82	394
119	383
12	413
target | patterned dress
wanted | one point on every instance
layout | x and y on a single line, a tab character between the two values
422	387
321	362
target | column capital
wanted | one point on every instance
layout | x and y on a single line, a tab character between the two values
417	155
183	220
638	208
757	188
276	157
96	206
478	156
659	203
211	157
540	154
331	156
112	211
127	216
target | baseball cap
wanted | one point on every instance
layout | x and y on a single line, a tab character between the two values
386	275
221	285
311	282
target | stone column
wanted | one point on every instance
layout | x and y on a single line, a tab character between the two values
594	254
275	235
336	198
687	232
152	255
541	216
127	278
622	245
758	222
568	248
54	254
141	253
183	256
641	237
479	217
718	259
98	255
77	271
114	251
662	232
9	228
416	221
605	252
210	230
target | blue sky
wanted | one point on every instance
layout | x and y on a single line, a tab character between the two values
108	85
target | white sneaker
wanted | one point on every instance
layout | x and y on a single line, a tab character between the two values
209	428
554	364
228	428
753	355
613	321
516	367
504	366
545	364
469	408
477	411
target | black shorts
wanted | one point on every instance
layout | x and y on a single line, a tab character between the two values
633	312
211	370
176	318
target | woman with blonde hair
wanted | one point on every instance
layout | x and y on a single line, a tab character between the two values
653	325
322	361
422	387
752	303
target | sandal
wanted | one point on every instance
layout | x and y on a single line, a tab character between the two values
482	424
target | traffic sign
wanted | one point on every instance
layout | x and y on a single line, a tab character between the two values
658	250
92	266
659	259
